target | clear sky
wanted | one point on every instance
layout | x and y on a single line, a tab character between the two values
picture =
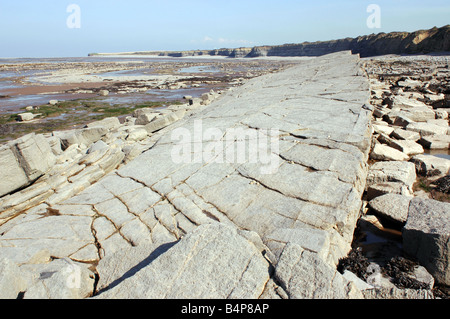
39	28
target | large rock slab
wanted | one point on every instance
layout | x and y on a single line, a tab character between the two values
393	206
11	280
213	261
426	236
386	153
392	171
428	165
23	161
304	275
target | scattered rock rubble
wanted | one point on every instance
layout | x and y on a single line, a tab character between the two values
410	96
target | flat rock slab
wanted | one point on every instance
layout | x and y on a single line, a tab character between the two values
213	261
393	206
314	121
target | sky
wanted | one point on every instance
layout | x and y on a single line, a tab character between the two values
59	28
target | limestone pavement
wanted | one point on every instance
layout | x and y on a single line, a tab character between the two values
148	226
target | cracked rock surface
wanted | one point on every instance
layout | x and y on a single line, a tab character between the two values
157	227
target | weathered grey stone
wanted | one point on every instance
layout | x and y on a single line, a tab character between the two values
109	123
385	129
145	118
392	171
137	135
402	134
397	293
392	206
60	235
426	236
99	145
164	121
12	176
426	129
60	279
24	117
86	136
436	142
405	102
11	280
23	161
211	262
407	147
429	165
304	275
386	153
441	114
384	188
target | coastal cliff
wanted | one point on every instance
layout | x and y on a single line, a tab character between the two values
422	41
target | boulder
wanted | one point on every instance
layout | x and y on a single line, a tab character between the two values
436	142
12	175
385	129
392	206
410	83
145	118
426	236
147	110
99	145
397	294
11	280
403	102
426	129
443	184
407	147
429	165
212	261
393	171
402	134
109	123
60	279
103	92
304	275
381	189
441	114
86	136
386	153
420	114
53	102
23	161
137	135
164	121
24	117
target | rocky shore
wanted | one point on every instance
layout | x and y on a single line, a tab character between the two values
103	211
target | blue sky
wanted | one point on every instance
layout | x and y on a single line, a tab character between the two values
38	28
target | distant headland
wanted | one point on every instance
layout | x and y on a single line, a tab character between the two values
418	42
